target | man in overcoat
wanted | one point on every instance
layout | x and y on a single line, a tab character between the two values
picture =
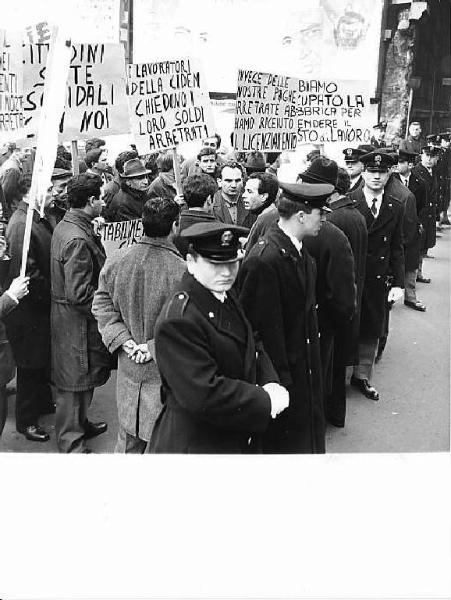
415	141
80	361
133	286
228	205
276	286
28	326
384	215
354	167
346	217
219	388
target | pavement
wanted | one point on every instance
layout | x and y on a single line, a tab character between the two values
413	379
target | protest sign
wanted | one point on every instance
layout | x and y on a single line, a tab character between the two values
121	235
96	98
11	87
276	112
169	104
34	65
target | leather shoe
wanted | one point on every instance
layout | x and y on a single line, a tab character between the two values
364	386
422	279
34	433
417	305
94	429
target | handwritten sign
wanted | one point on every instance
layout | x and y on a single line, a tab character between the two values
11	92
121	235
96	98
34	66
276	112
169	104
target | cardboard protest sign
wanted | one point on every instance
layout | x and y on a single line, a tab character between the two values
11	87
121	235
34	66
276	112
96	98
169	104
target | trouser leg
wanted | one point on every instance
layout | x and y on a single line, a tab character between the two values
367	355
420	264
70	418
29	383
129	444
336	400
3	407
410	293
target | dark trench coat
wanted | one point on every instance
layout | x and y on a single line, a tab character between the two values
427	215
80	361
277	291
385	257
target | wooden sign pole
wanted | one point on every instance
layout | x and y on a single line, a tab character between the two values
178	177
74	152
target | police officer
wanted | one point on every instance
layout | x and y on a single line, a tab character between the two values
378	137
385	261
354	167
218	387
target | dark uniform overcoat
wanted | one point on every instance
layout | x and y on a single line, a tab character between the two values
277	290
346	217
209	369
28	326
410	231
80	361
7	367
385	257
427	216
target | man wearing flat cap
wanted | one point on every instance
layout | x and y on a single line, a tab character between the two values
219	388
276	287
384	265
128	203
354	167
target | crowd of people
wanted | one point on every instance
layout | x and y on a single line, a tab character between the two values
235	320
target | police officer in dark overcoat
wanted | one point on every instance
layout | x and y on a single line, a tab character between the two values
219	388
385	262
276	286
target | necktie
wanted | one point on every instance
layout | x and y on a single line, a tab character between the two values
374	207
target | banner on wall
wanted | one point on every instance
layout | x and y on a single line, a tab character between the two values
169	104
276	112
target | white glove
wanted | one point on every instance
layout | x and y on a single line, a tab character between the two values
396	293
279	396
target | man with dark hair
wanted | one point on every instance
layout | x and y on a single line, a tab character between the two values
198	191
273	162
80	361
415	141
190	165
228	206
11	173
128	203
164	185
133	286
97	162
276	286
346	217
260	193
28	326
94	144
311	157
207	161
384	215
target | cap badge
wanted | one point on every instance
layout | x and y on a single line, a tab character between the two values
226	238
349	151
378	159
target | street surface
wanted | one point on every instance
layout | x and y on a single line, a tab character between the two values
413	379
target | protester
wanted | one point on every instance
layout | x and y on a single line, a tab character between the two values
207	163
228	206
28	326
80	361
273	161
218	388
415	141
346	217
97	162
384	266
198	191
11	173
311	157
164	186
189	166
255	163
8	302
129	202
58	207
133	286
259	196
276	286
112	188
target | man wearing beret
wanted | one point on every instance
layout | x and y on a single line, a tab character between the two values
354	167
385	262
276	287
219	387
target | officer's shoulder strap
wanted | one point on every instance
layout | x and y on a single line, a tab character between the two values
177	305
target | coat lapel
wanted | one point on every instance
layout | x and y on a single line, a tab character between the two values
385	213
362	206
288	252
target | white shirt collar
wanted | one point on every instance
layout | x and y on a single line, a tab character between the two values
221	296
370	196
294	240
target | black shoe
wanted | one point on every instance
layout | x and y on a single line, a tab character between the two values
417	305
94	429
364	386
34	433
422	279
335	422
